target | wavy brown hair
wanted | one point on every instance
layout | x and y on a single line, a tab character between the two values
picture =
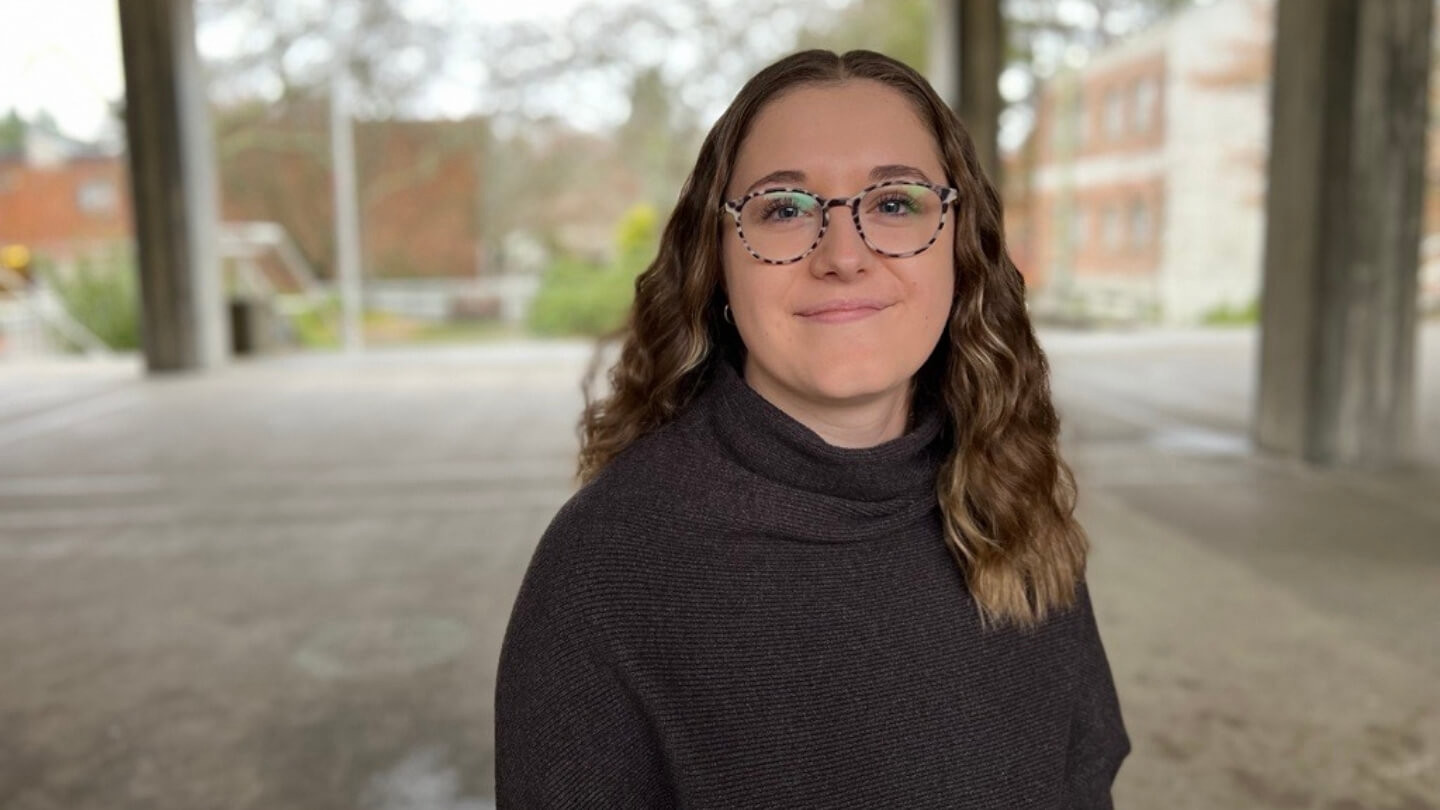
1007	496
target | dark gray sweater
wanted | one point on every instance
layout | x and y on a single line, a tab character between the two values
736	614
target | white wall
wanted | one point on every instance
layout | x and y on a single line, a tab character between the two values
1216	137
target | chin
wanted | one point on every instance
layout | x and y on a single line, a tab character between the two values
848	380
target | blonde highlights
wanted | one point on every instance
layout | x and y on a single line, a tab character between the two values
1007	496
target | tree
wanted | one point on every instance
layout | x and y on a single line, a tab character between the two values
669	68
12	133
657	142
1044	32
288	51
898	28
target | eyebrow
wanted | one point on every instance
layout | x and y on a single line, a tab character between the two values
879	174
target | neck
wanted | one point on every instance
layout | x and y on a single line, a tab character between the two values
864	421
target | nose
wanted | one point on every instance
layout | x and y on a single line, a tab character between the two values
842	250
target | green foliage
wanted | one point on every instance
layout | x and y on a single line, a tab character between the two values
636	238
580	298
1225	314
577	297
12	132
896	28
318	326
102	293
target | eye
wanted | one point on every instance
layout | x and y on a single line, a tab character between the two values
899	201
780	210
784	206
897	205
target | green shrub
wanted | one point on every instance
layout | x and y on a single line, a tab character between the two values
318	326
579	297
102	293
1225	314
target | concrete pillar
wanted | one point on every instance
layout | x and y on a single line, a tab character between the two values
1338	339
173	180
967	55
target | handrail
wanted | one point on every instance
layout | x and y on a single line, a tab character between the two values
57	316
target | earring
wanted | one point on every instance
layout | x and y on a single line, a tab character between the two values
729	316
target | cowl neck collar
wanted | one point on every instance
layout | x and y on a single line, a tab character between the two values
833	492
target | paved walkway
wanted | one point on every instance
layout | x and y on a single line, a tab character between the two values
284	585
1272	628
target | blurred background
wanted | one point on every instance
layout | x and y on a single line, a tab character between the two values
296	297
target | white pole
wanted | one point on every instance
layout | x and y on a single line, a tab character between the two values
347	214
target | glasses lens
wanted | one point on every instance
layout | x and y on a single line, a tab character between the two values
900	218
781	225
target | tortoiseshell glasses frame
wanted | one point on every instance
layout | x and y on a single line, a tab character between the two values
947	195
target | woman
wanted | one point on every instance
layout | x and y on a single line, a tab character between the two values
824	554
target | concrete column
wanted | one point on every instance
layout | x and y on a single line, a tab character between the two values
173	180
1338	340
967	55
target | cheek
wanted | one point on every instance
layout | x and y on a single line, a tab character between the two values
933	290
750	289
733	266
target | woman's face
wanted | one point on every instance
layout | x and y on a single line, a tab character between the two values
834	140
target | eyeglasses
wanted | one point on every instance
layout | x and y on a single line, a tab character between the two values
896	218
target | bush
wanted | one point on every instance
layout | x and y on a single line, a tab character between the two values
102	294
1227	315
317	325
579	297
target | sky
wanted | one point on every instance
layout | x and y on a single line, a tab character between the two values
63	57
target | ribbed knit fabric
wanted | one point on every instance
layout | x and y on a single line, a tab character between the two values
736	614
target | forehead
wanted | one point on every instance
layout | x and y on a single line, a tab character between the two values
835	132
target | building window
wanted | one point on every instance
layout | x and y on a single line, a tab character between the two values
1114	232
96	196
1114	114
1144	105
1077	226
1140	224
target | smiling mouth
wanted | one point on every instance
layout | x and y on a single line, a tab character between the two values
844	314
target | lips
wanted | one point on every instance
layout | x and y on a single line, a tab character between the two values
852	309
845	305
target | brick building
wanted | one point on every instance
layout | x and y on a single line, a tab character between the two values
66	206
1145	198
418	187
1140	195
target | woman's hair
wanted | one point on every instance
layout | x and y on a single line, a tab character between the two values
1007	496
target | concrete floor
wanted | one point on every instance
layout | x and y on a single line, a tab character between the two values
1274	630
284	585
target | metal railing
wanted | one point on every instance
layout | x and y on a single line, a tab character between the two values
34	316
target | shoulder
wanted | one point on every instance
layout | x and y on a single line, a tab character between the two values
653	481
626	520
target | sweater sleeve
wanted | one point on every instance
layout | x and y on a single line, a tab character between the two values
568	732
1098	740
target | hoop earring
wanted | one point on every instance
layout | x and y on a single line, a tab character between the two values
729	316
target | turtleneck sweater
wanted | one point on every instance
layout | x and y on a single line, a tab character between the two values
736	614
